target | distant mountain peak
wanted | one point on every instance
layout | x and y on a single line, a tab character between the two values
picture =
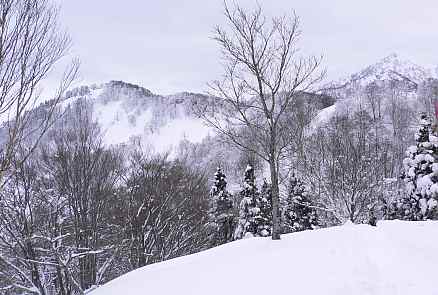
86	90
123	84
391	58
395	62
390	68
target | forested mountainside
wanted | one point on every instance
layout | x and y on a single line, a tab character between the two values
392	91
130	113
132	116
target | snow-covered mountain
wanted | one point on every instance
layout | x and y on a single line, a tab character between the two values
390	68
391	79
130	113
393	258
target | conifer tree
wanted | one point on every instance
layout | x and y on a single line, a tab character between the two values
250	215
298	213
421	177
264	218
221	217
405	208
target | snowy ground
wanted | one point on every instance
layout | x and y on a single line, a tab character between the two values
393	258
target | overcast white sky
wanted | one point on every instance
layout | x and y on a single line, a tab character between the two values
165	45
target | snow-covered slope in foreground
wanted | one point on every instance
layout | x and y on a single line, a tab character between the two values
393	258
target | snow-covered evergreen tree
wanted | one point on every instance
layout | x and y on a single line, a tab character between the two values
405	208
221	216
254	210
298	213
264	217
421	177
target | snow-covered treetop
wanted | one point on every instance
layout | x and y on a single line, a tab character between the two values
422	134
220	182
249	181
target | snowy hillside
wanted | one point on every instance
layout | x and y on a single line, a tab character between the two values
128	112
389	68
393	258
390	81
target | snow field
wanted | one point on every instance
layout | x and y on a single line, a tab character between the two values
393	258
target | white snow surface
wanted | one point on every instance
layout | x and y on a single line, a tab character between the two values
396	257
321	119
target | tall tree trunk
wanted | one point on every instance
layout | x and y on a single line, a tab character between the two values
275	199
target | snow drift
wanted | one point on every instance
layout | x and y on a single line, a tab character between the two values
393	258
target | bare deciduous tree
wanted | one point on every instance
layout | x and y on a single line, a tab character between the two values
343	169
85	174
34	255
165	209
31	43
263	76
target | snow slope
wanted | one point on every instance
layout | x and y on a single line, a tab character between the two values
322	118
130	113
393	258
